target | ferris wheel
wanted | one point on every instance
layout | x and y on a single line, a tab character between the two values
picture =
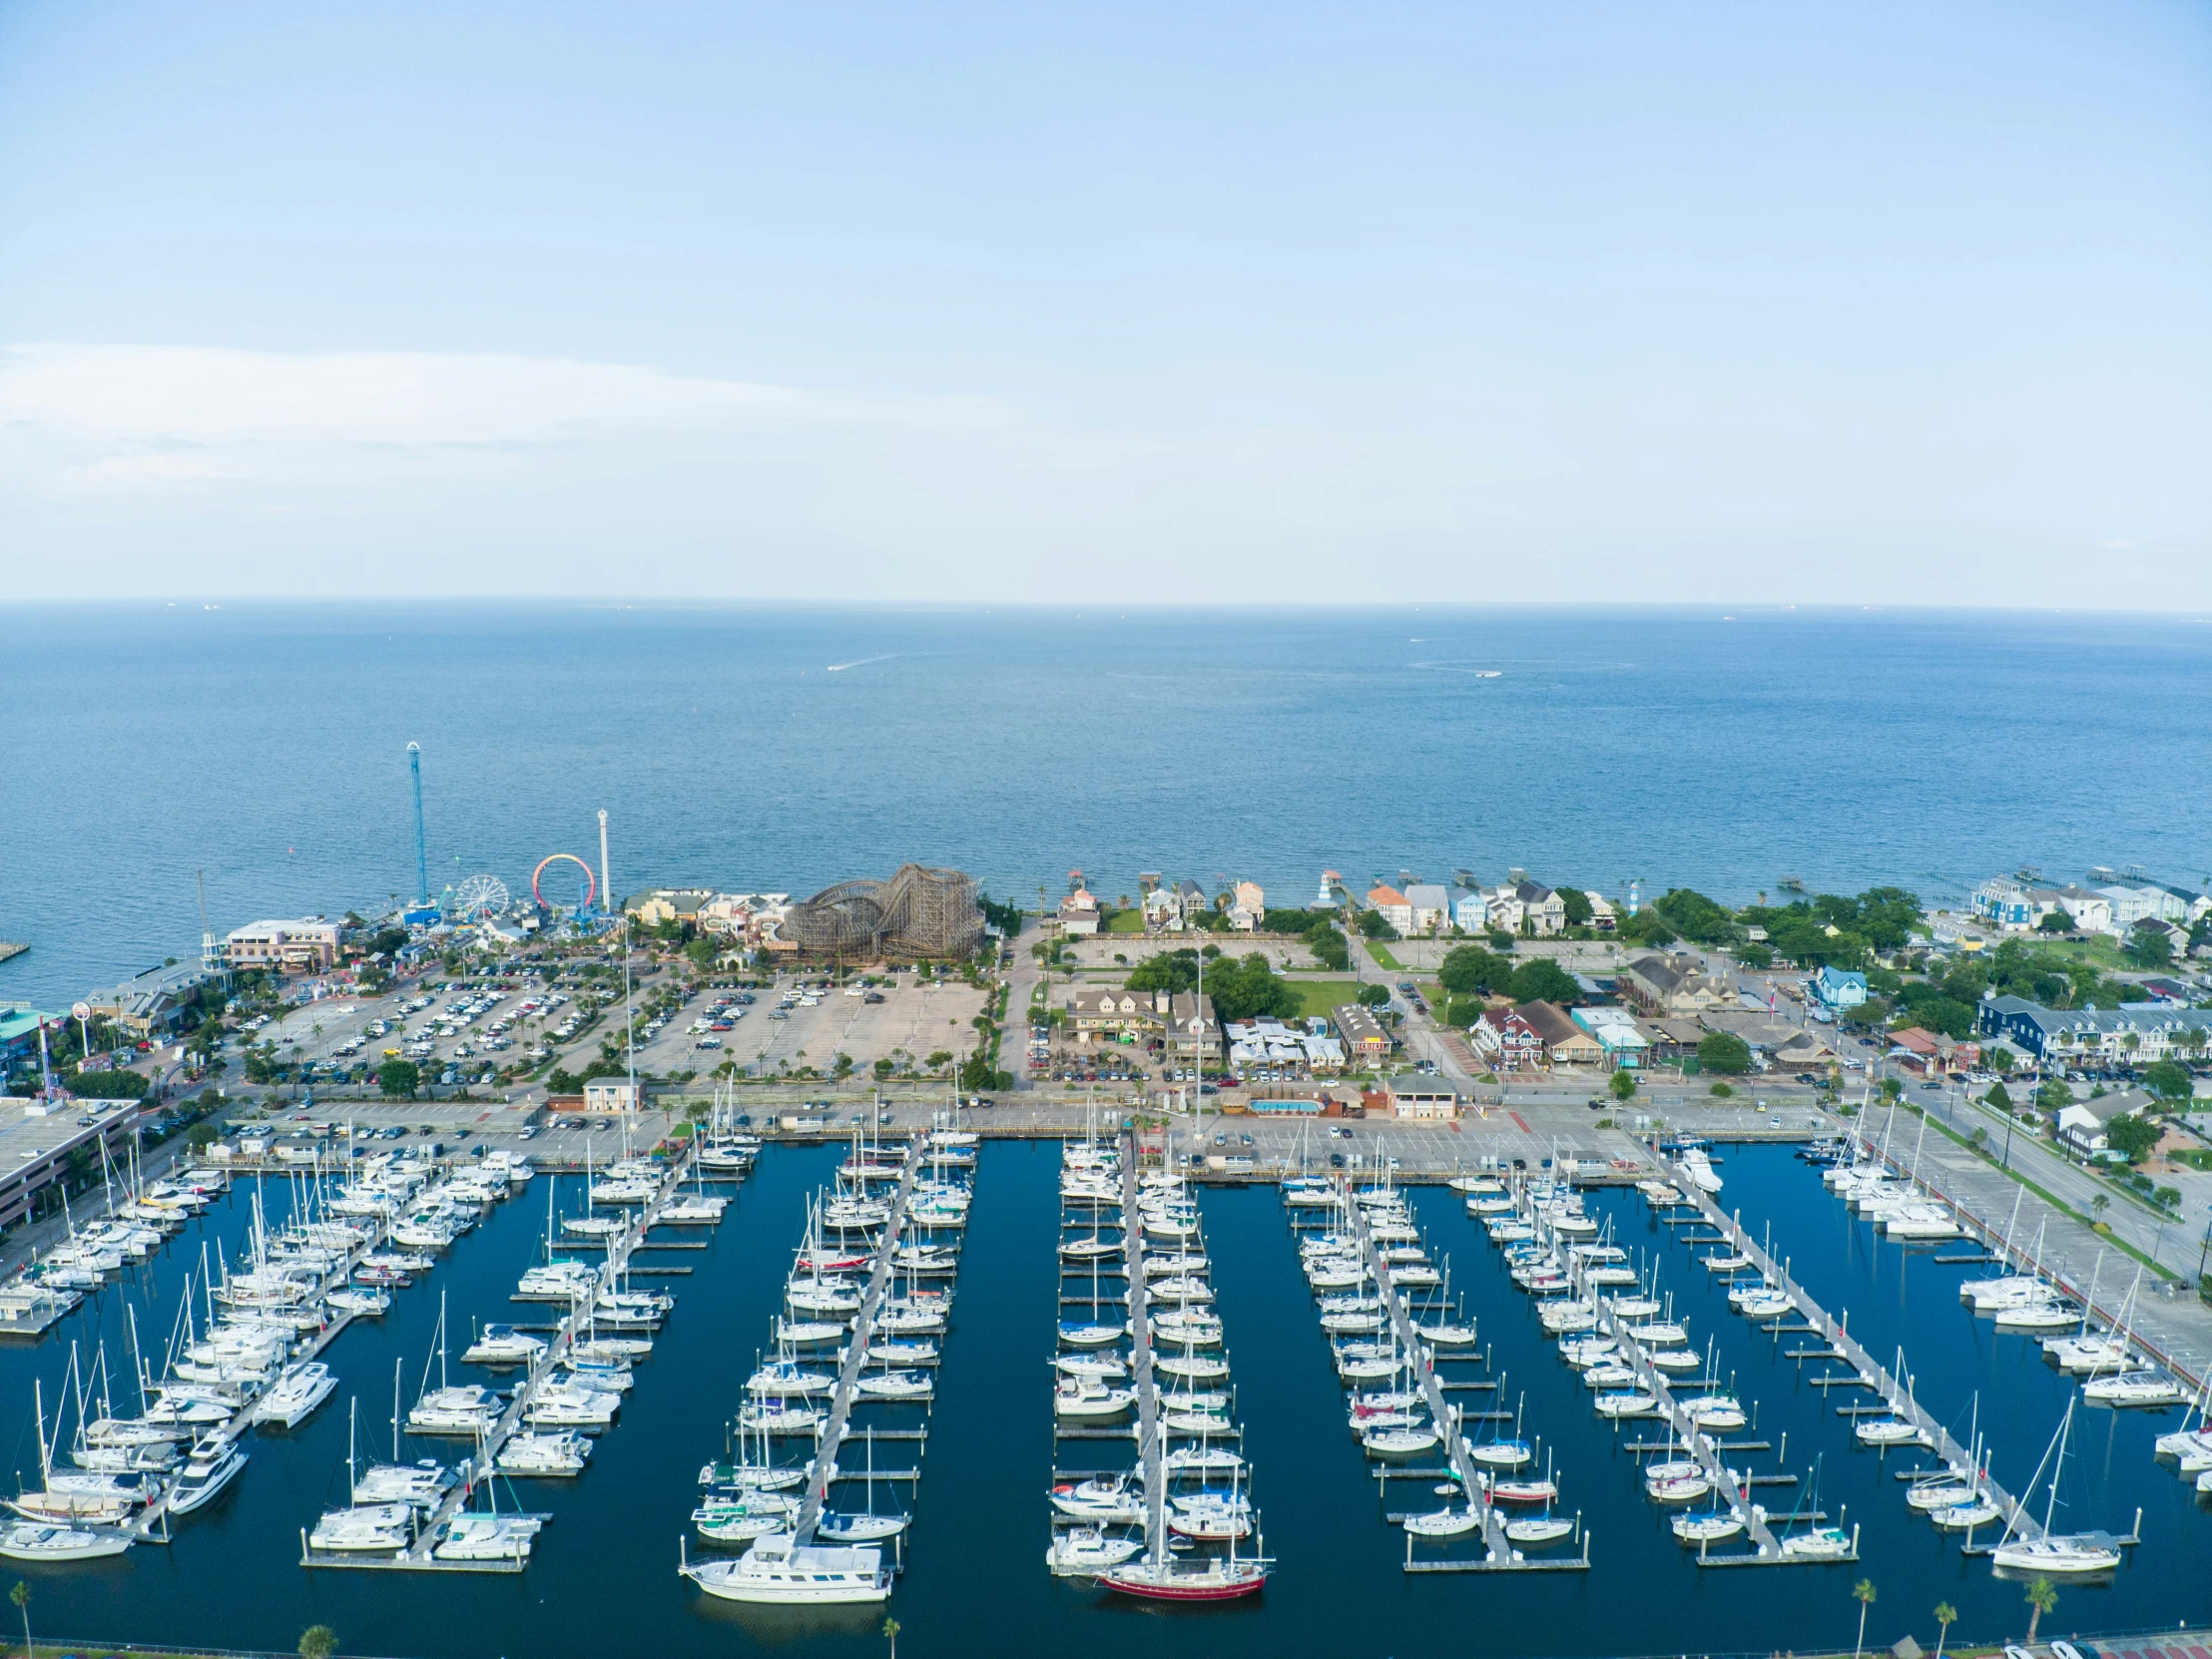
480	895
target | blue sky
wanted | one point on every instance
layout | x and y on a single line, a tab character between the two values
1742	302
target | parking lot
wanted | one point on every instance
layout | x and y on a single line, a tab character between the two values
902	1020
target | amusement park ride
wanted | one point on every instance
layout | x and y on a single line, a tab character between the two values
485	897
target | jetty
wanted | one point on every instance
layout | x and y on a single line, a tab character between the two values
482	1464
823	1470
1896	1398
1498	1552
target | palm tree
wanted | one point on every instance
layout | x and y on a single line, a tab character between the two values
1863	1593
2043	1596
21	1596
1946	1615
890	1635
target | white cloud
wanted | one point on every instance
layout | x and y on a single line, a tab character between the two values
106	418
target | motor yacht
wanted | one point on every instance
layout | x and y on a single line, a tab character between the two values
1085	1551
212	1465
778	1569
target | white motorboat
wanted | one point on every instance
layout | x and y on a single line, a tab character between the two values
1100	1500
778	1569
1082	1397
1084	1551
212	1465
1697	1165
32	1541
362	1302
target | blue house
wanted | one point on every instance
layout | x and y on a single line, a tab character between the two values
1838	989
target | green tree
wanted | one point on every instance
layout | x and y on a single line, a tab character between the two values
2052	1095
1723	1053
2132	1136
2167	1080
1647	927
2043	1596
1999	1096
1470	970
1543	980
21	1596
1623	1084
890	1635
1170	970
2149	946
201	1136
1945	1616
1578	905
317	1641
399	1079
2101	1202
2059	921
884	1069
1373	996
1863	1593
1374	926
1693	916
1250	990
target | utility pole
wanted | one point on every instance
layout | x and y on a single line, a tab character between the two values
606	888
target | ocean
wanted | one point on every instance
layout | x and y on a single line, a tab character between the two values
783	748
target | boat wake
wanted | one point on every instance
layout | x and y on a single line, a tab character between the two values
860	662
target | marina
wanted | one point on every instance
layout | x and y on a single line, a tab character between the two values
991	1433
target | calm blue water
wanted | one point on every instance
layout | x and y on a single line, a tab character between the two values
604	1578
268	745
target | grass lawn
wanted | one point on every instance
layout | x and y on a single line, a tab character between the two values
1125	921
1321	997
1384	958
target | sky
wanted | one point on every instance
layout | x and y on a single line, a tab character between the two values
1828	302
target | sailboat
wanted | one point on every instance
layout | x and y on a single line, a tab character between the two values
2072	1554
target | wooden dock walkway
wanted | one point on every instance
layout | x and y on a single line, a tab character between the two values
824	1470
1894	1395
